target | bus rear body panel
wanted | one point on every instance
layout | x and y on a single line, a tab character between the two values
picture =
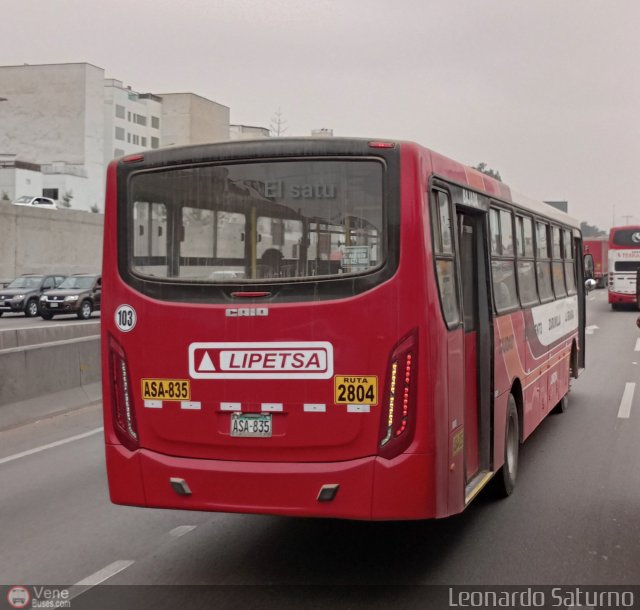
624	262
257	403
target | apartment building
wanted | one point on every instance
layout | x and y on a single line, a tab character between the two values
71	121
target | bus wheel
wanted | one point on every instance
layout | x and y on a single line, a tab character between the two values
506	478
562	405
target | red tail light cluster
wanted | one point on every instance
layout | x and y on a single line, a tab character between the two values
124	415
399	407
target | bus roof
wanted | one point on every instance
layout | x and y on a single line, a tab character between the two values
441	165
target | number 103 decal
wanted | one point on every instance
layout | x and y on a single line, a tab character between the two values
356	390
125	318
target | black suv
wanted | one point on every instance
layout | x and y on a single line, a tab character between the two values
79	294
23	293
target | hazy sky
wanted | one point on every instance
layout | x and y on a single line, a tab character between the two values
545	91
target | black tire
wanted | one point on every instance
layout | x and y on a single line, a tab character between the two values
615	306
45	315
506	477
32	309
85	310
1	312
562	405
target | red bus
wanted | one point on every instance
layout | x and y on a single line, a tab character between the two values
328	327
624	263
596	261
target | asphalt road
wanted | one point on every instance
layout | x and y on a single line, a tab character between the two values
573	520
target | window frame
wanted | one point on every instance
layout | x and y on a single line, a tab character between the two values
439	253
498	256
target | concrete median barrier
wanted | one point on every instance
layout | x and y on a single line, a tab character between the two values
31	374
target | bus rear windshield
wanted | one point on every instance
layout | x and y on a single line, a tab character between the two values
257	221
627	237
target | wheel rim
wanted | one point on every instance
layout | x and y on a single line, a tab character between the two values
33	308
86	310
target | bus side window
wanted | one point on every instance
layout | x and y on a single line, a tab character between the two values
543	264
442	239
502	263
569	262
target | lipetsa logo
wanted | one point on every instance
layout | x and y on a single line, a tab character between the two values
292	360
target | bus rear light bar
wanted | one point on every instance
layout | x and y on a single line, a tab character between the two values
376	144
400	398
250	295
133	158
124	418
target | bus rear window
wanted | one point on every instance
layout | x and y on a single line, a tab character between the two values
257	222
627	237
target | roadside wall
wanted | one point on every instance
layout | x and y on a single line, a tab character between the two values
48	241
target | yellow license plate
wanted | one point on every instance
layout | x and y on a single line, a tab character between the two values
166	389
353	390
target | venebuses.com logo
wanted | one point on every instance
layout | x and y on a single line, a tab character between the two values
20	596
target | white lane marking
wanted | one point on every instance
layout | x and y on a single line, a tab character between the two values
95	579
627	398
64	441
637	345
589	329
181	530
101	575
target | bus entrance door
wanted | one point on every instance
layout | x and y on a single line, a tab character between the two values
477	359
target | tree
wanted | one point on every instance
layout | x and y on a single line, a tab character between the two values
278	125
95	209
66	199
482	167
591	230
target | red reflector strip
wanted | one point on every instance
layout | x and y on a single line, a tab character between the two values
375	144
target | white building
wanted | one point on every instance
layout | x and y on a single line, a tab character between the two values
18	177
188	118
71	121
248	132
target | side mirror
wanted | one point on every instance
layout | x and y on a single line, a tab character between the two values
590	284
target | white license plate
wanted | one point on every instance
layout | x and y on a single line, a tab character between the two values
251	424
53	304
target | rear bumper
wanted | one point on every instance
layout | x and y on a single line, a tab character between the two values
370	488
618	297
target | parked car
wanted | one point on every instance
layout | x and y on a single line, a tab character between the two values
36	202
78	294
23	293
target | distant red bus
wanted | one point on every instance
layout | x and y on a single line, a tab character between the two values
624	262
596	252
328	327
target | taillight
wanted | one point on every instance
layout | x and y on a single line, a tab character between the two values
399	407
124	416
